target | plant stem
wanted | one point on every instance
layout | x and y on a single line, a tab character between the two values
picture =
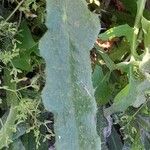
137	25
140	9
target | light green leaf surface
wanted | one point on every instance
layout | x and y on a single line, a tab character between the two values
122	30
133	94
68	93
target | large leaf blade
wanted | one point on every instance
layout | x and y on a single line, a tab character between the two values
68	92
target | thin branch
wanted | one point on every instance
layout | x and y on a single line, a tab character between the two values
14	10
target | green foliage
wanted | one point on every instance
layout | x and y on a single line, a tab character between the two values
136	91
21	109
120	75
134	94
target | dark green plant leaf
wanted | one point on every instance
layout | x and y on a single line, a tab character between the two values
28	141
130	7
119	52
97	76
25	37
128	15
68	93
27	46
109	63
100	83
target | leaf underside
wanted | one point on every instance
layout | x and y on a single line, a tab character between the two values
68	93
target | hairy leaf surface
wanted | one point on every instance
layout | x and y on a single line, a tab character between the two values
68	93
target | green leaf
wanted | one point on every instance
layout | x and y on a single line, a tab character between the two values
100	83
25	38
118	52
122	30
124	17
109	63
144	122
123	93
29	142
68	93
27	46
97	76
